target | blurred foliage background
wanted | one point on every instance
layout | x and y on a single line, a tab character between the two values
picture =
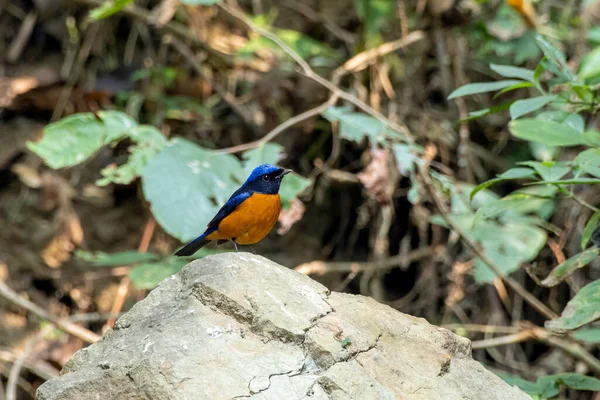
446	157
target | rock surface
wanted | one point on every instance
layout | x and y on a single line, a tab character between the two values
238	326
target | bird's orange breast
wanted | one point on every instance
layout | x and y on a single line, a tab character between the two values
251	221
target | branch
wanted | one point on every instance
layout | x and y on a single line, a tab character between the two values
307	71
313	112
321	267
513	284
172	27
67	326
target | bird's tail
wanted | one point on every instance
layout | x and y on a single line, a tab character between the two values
193	246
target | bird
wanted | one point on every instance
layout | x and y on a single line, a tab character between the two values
249	214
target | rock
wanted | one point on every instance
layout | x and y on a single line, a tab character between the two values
237	325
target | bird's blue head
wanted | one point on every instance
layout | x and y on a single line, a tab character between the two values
266	179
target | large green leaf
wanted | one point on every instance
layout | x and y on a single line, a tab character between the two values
186	185
566	269
522	107
507	245
149	143
581	310
550	133
75	138
482	87
508	71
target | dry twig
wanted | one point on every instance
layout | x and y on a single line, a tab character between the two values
65	325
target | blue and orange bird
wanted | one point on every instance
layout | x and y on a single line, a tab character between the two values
249	214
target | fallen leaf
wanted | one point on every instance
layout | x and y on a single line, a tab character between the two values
376	176
289	217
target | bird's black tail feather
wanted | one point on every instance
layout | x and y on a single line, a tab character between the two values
192	246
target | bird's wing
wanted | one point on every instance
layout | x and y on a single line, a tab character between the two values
234	201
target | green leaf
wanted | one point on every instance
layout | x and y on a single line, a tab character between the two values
555	56
549	170
405	159
574	121
522	107
200	2
481	87
270	153
70	141
508	71
513	173
581	310
589	229
149	143
355	126
590	66
149	275
592	138
574	381
548	386
187	184
374	14
507	245
588	161
590	335
292	185
566	269
521	85
487	111
531	388
101	259
108	8
551	133
75	138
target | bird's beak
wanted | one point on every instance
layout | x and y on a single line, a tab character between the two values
283	172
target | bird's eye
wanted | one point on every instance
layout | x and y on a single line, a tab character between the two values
266	178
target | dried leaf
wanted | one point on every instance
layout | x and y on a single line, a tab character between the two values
163	13
28	175
58	251
289	217
376	176
525	9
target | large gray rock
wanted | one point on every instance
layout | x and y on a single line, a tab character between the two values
240	326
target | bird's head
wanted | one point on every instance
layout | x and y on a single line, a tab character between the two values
266	179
